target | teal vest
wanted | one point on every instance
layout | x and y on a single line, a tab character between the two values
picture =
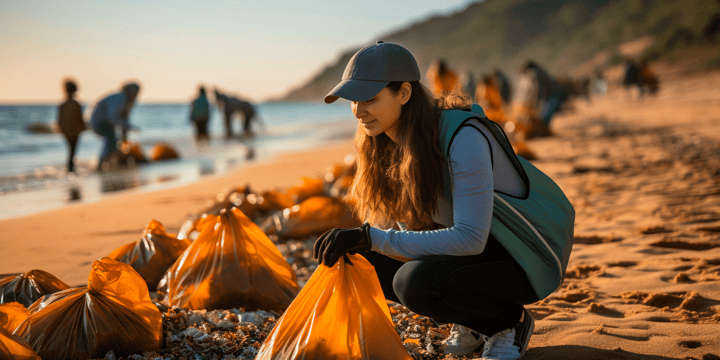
537	230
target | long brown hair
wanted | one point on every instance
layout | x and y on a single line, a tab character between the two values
401	181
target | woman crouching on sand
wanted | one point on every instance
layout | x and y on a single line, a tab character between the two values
433	255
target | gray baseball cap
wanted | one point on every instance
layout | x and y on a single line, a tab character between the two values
371	69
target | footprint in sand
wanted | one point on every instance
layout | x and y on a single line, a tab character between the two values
679	278
594	239
685	306
710	229
682	278
583	271
690	344
657	229
624	264
573	296
685	244
601	309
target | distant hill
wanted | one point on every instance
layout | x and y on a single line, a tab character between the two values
570	37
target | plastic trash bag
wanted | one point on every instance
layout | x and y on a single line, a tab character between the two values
163	151
12	315
28	287
113	313
129	154
251	204
270	201
151	255
313	216
229	198
13	347
231	264
341	313
305	188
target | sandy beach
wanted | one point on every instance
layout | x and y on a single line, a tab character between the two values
643	175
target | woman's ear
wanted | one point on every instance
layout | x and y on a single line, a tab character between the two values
405	92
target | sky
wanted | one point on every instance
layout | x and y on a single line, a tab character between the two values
256	49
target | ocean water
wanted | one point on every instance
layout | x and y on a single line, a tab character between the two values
33	176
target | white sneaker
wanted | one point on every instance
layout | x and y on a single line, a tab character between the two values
462	341
510	344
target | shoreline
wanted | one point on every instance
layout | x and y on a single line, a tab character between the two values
65	241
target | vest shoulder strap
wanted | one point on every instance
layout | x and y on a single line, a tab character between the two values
452	121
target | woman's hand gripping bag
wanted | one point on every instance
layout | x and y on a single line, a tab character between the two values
113	313
231	264
153	254
341	313
27	288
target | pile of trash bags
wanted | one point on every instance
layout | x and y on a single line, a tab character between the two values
224	257
113	312
310	208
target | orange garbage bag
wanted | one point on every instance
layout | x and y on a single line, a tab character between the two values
231	264
113	313
313	216
12	315
28	287
163	151
341	313
341	186
273	200
305	188
13	347
151	255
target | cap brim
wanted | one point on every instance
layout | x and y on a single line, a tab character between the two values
355	90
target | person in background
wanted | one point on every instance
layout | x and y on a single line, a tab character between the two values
599	84
232	105
200	115
504	85
113	112
443	80
489	97
70	121
631	74
249	116
467	79
647	79
432	253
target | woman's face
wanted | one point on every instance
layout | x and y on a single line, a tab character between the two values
381	114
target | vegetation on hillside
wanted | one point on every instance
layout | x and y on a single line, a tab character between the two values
567	36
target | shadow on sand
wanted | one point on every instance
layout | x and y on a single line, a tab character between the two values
565	352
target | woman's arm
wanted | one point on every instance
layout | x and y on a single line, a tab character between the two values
472	207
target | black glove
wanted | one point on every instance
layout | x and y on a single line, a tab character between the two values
333	244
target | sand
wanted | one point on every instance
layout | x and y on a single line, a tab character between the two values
644	178
643	174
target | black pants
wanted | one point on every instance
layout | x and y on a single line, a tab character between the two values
228	123
201	128
72	146
484	292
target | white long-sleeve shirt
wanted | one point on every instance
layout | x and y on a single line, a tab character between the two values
467	218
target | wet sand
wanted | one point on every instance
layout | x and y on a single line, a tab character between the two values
643	174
